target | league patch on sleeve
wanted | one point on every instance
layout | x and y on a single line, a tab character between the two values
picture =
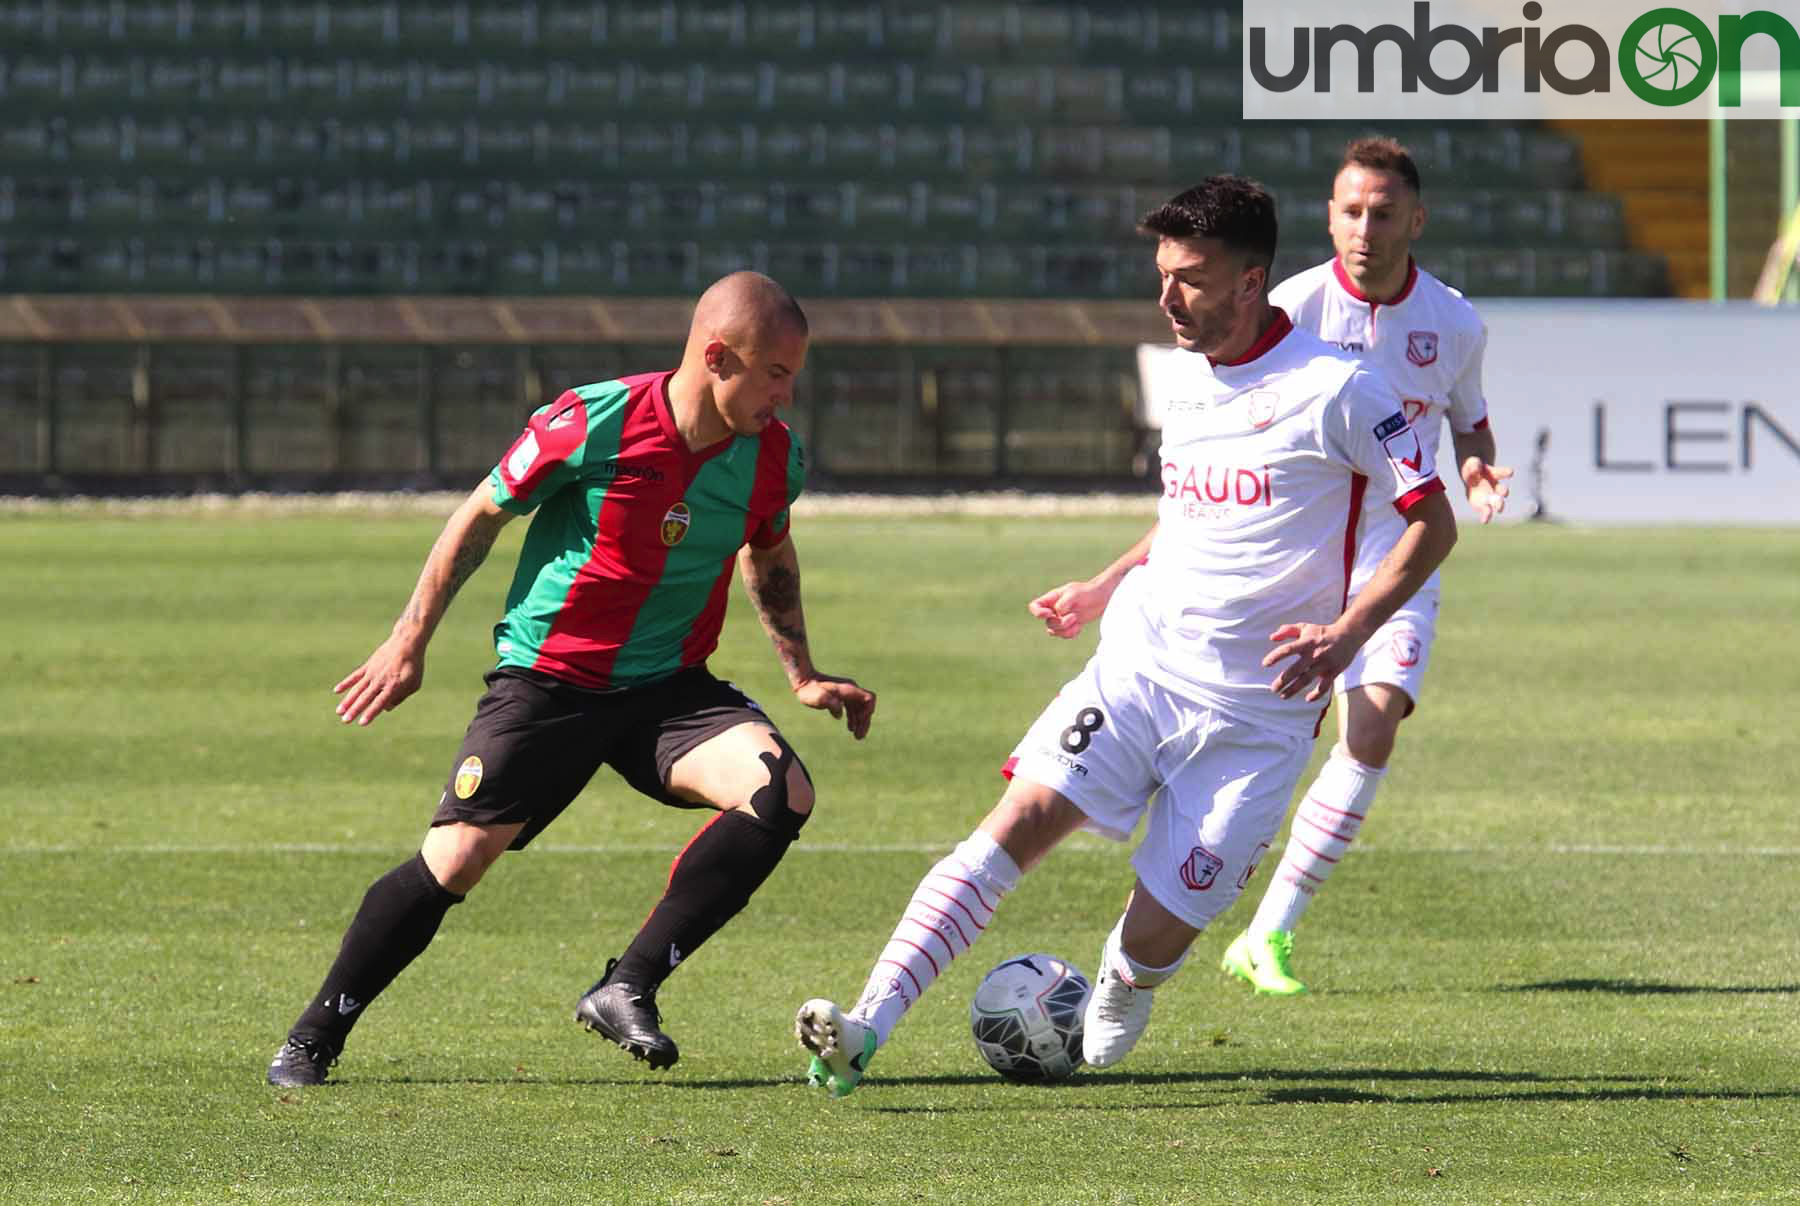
1391	424
1406	454
523	457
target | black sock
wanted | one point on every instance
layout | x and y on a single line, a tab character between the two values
710	883
399	914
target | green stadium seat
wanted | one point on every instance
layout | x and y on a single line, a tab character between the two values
939	270
994	152
848	29
873	90
645	25
713	26
451	87
1197	34
566	27
719	150
499	29
811	208
426	28
870	269
590	90
105	204
731	88
923	150
802	89
946	90
884	208
854	150
781	29
666	89
34	83
913	30
298	25
242	85
363	26
1048	34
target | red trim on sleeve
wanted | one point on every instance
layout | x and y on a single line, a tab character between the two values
1272	335
1481	426
1007	768
1418	494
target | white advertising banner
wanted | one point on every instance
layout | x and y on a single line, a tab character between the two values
1633	411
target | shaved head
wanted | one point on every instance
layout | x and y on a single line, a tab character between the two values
745	346
744	310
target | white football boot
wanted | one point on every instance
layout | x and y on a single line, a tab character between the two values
1114	1020
842	1047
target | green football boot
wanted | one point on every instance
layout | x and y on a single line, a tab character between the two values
841	1047
1261	961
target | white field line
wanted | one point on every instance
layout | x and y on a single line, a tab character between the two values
999	503
1080	846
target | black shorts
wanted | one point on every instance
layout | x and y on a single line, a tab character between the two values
536	741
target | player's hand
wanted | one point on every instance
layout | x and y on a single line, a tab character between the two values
1067	608
1320	653
1487	487
841	697
382	683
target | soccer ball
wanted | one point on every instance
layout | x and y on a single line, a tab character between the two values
1026	1016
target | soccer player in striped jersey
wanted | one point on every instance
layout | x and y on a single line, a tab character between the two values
645	492
1178	720
1374	301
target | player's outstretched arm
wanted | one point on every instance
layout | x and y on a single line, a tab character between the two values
772	580
1067	608
1484	480
1321	652
397	667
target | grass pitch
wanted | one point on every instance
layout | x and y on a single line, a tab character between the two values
1561	965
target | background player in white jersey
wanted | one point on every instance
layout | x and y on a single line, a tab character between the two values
1374	301
1265	457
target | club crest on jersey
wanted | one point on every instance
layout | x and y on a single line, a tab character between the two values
468	777
1421	347
1406	648
1200	868
1262	407
675	524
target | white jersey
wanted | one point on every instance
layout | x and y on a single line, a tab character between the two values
1427	342
1266	462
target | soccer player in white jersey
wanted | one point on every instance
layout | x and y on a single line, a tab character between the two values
1374	301
1179	716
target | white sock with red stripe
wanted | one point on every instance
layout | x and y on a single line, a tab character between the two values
1134	973
948	911
1325	824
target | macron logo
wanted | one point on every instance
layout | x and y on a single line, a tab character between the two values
347	1004
674	955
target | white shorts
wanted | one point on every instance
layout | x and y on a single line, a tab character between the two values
1215	788
1398	652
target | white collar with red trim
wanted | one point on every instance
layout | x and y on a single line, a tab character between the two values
1349	286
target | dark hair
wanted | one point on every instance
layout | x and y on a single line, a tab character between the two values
1235	210
1382	155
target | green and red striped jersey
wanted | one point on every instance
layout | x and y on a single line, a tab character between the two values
627	565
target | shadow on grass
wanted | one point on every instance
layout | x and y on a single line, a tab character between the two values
1631	988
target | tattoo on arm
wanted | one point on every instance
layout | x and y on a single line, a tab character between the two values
778	602
468	559
775	593
465	560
